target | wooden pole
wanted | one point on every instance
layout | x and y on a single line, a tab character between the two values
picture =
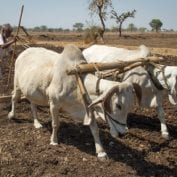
19	23
13	55
7	98
119	71
83	92
92	67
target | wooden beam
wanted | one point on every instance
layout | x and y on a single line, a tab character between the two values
125	69
92	67
7	98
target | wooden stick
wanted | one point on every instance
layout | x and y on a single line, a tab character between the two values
13	55
126	68
91	67
83	91
20	20
25	31
3	114
7	98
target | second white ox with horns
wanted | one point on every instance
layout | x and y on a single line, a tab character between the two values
40	75
150	83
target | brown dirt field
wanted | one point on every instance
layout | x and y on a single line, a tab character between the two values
25	151
160	43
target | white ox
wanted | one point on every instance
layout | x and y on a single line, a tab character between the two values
40	75
149	83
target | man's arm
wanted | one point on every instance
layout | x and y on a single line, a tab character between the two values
6	45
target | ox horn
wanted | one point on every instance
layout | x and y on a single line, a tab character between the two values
105	96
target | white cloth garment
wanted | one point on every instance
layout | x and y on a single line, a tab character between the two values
1	54
1	43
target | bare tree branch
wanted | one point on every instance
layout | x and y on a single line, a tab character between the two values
121	18
100	7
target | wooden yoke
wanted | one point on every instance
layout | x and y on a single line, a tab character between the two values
92	67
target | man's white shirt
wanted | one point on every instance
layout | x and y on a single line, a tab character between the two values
1	54
2	51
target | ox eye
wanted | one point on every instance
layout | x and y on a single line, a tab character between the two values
119	106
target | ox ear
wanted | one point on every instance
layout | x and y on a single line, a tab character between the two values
173	92
105	97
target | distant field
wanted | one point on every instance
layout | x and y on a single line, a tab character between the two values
161	43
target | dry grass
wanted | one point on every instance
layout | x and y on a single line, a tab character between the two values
160	43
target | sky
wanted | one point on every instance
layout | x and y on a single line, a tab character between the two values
65	13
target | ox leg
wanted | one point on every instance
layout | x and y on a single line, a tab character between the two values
101	154
34	112
161	116
15	97
55	124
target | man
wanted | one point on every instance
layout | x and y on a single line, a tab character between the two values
6	32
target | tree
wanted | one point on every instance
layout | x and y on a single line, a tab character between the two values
156	24
100	7
121	18
131	27
142	29
43	28
78	26
90	35
36	28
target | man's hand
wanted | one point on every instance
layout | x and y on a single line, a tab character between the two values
15	39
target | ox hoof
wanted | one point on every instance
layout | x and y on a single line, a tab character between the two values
165	135
10	115
53	143
37	125
102	156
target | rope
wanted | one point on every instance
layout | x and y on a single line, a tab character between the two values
98	73
161	68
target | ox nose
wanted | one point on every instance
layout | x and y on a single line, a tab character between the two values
121	135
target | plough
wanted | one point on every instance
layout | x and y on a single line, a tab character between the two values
108	68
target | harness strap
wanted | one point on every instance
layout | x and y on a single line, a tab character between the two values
100	76
165	79
116	121
97	86
108	115
155	80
